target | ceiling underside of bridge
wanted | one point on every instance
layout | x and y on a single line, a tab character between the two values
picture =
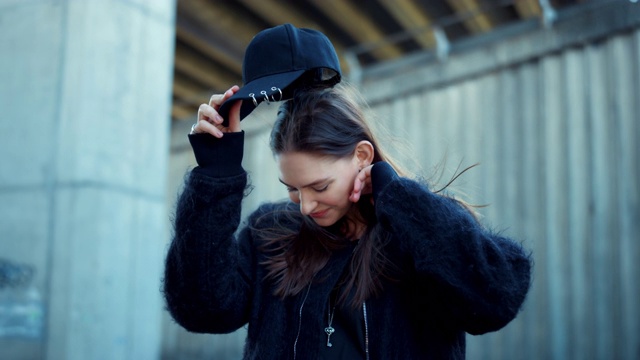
211	36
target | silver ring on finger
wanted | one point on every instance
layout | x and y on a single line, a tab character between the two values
193	129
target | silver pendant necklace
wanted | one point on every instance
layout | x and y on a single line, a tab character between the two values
329	329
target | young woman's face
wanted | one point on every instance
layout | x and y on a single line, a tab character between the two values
320	184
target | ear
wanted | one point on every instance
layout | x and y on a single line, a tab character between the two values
363	153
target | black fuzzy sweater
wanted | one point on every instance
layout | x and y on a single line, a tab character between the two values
458	277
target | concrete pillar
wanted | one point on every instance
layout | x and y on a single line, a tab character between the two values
85	94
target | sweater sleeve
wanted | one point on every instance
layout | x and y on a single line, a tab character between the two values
480	278
218	157
208	271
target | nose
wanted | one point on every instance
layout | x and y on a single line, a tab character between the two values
307	204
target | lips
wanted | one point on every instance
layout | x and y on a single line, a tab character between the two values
319	214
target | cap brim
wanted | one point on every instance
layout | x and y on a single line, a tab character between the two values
251	95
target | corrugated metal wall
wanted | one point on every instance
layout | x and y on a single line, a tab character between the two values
557	139
554	126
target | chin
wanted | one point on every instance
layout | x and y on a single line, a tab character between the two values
325	222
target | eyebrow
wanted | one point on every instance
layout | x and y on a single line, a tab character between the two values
315	183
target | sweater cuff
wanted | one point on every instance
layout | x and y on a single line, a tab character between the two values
218	157
381	175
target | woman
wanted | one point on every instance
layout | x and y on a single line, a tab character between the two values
360	263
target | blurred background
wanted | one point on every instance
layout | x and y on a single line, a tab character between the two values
96	99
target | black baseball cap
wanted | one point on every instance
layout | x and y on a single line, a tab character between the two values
279	60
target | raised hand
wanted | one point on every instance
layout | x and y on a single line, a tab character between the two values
209	121
361	184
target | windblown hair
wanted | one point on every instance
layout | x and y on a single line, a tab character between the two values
327	122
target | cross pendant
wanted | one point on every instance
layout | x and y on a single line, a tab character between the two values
329	330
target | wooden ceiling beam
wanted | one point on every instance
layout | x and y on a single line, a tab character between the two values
223	18
474	18
277	12
528	8
208	46
181	112
215	29
202	70
220	48
188	93
358	26
413	20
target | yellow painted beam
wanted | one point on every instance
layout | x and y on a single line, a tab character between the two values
199	68
219	16
528	8
180	112
221	19
476	21
189	94
223	58
277	12
412	18
361	28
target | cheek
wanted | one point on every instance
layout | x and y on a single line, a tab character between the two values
340	196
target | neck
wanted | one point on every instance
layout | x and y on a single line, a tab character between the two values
355	225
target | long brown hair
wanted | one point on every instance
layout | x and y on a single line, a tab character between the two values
328	122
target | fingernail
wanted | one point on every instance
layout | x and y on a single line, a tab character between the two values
219	118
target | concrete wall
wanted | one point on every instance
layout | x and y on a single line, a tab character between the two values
85	92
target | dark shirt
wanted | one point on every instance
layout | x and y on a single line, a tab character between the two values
348	339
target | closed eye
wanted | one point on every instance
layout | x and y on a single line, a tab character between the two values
316	185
